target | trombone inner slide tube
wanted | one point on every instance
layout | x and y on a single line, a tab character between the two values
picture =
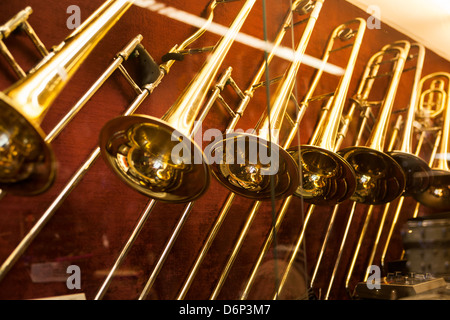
27	163
158	157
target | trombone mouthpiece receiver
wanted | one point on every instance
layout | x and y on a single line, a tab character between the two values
327	178
27	163
379	178
155	159
247	164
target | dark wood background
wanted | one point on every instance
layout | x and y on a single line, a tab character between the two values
94	222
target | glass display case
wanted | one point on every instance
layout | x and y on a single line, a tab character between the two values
214	150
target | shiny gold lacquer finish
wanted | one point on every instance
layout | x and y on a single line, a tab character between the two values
437	196
27	164
379	177
416	170
247	163
327	178
157	157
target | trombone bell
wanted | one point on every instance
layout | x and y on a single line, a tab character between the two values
247	163
145	153
326	177
437	196
27	163
380	179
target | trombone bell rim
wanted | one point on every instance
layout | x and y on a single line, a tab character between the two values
138	148
42	176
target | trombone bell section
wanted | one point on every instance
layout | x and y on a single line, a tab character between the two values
256	166
27	165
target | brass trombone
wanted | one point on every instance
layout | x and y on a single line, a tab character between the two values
196	91
143	88
141	149
327	178
247	163
416	169
151	76
380	179
285	82
299	6
431	104
337	140
437	196
401	51
27	161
